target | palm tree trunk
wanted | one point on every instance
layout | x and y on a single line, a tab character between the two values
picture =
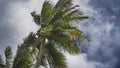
40	54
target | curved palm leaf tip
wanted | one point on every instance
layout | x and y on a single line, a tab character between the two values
56	26
8	55
53	57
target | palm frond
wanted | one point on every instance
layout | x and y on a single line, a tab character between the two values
67	16
30	39
66	39
2	65
61	8
8	55
62	4
36	17
8	52
46	13
45	31
24	57
55	58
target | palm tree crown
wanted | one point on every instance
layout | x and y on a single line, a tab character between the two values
56	27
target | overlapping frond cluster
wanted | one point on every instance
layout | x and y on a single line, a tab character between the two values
26	52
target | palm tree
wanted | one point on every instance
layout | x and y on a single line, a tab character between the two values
26	53
56	35
8	58
8	55
2	65
56	26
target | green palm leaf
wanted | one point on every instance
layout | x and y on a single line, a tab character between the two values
8	55
55	58
2	65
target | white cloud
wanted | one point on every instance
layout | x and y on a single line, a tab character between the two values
20	20
79	61
99	28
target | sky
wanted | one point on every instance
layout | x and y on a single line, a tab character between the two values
102	27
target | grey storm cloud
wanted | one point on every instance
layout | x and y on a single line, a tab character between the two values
104	28
15	21
5	31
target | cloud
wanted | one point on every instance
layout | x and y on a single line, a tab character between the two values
103	28
16	22
79	61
